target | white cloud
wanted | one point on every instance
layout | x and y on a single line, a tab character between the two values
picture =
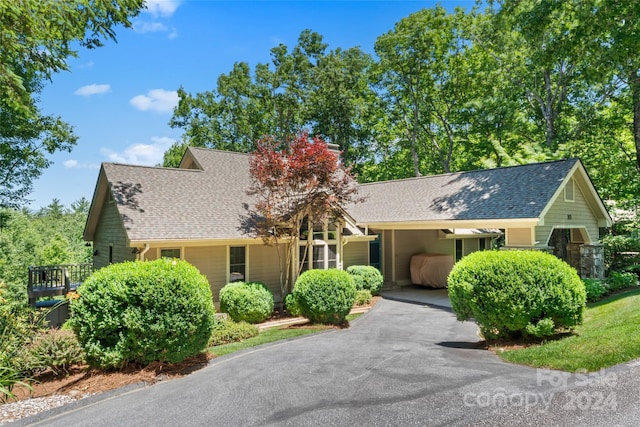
74	164
158	100
162	7
93	89
148	27
141	154
143	27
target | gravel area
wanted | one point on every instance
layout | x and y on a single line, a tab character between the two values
16	410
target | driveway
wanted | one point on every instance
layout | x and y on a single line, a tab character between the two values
400	364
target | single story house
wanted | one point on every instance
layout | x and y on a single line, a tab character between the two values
194	213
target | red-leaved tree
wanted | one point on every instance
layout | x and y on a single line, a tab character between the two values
291	182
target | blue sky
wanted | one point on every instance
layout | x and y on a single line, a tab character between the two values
119	98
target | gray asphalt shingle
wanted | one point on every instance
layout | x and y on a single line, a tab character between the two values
185	204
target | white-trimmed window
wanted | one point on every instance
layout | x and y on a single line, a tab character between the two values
321	252
237	262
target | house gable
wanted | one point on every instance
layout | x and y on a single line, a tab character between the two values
575	205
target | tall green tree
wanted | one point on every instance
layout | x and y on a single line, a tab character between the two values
427	77
52	235
37	39
303	88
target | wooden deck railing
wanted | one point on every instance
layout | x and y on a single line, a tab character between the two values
55	280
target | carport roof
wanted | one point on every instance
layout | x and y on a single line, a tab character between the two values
516	192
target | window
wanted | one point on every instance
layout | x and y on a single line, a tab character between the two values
169	253
458	249
110	254
374	253
322	252
482	244
569	192
237	263
318	257
332	256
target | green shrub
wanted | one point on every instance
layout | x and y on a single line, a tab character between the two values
358	281
53	349
9	378
291	304
363	297
618	280
325	296
595	289
516	293
140	312
18	324
620	252
371	278
227	331
249	302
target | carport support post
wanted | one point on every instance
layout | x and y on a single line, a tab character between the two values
592	261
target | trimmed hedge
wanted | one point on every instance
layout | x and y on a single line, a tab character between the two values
140	312
516	293
250	302
227	331
595	289
363	297
325	296
366	277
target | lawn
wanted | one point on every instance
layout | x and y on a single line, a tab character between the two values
271	335
608	336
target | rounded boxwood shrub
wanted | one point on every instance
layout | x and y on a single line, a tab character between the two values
516	293
291	304
251	302
325	296
140	312
367	277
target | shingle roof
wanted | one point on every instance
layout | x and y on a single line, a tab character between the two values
504	193
181	204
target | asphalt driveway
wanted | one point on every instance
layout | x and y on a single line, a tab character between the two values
400	364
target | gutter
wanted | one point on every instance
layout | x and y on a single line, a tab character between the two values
147	246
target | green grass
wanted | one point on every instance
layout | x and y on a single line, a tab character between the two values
608	336
272	335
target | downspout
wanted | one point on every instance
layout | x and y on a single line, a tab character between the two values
144	251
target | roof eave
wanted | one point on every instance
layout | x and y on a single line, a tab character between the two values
440	224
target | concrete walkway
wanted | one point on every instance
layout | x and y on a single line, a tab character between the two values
420	294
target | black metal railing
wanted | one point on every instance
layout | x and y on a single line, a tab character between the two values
55	280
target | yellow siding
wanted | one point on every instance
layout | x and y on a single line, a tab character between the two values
518	237
355	253
412	242
558	216
212	262
470	245
263	267
110	232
